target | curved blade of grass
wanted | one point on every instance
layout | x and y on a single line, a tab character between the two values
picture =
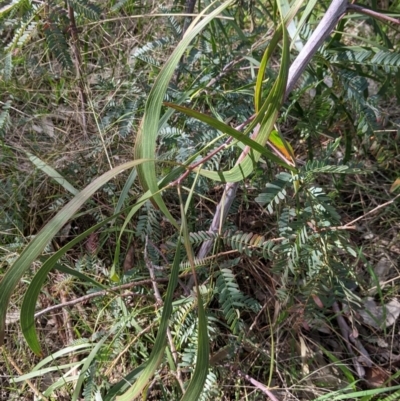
263	65
171	176
27	319
267	116
42	372
148	130
280	143
291	25
288	20
123	384
219	125
85	367
355	395
263	124
36	246
339	364
160	343
305	15
54	174
199	377
125	190
76	349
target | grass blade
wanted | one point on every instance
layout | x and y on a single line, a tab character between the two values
36	246
199	377
160	343
54	174
148	130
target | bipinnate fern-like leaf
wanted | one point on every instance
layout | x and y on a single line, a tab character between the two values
210	387
5	117
144	53
184	321
6	71
58	45
322	205
197	263
128	118
388	60
90	10
352	55
118	5
22	35
244	242
355	87
275	191
392	397
176	28
149	223
231	299
248	242
90	385
319	166
199	237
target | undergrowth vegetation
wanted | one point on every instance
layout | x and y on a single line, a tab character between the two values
184	218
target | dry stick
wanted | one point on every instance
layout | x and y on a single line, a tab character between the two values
127	286
99	294
189	10
367	11
349	338
37	393
371	211
258	385
323	30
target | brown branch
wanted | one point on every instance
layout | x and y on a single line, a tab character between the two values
375	14
351	342
333	14
258	385
99	294
34	389
371	211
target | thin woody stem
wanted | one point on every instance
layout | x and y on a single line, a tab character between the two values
375	14
323	30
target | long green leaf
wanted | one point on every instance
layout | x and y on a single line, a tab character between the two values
123	384
52	173
145	146
36	246
160	343
219	125
355	395
85	367
199	377
263	65
263	123
27	319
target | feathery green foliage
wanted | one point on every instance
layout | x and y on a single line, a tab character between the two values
284	257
